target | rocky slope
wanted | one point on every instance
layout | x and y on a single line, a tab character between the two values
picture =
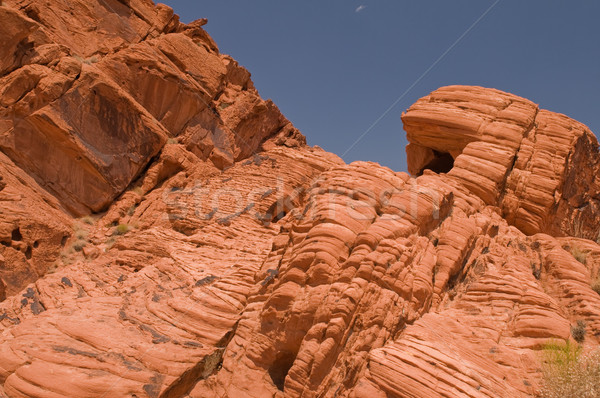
167	233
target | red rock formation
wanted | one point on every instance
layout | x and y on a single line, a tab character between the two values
84	110
539	167
225	258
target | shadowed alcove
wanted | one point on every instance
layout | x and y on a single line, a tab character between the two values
442	162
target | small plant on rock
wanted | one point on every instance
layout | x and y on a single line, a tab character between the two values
89	220
596	285
139	191
81	234
579	255
121	229
578	331
78	245
131	210
109	243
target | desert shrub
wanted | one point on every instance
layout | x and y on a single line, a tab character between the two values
537	272
578	331
109	243
568	373
121	229
579	255
596	285
89	220
78	245
91	60
81	234
172	141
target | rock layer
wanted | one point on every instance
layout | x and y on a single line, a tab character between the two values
222	257
84	110
539	167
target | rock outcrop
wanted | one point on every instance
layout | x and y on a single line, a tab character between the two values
86	104
219	256
539	167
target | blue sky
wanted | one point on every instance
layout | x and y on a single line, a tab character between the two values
335	66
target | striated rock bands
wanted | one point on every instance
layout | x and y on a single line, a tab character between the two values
539	167
220	256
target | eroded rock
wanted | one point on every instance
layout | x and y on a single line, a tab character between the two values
223	257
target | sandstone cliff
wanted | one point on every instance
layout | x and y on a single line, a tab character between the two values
167	233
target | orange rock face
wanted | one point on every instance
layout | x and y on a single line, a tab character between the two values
220	256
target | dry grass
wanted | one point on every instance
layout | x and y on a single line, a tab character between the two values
89	220
578	331
596	285
109	243
78	245
81	234
121	229
579	255
569	373
131	210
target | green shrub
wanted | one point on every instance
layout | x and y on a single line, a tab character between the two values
578	331
121	229
568	373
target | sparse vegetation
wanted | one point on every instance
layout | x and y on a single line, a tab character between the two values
596	285
121	229
568	373
78	245
537	272
65	257
578	331
579	255
172	141
91	60
138	190
89	220
81	234
109	243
